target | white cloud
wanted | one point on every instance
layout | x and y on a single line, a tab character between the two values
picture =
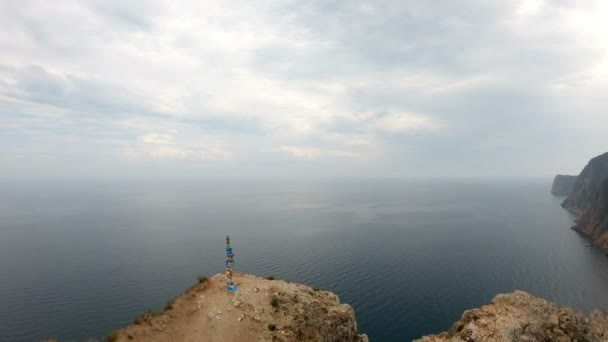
172	146
310	153
161	139
404	123
222	81
180	153
529	7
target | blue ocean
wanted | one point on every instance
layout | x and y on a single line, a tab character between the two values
79	259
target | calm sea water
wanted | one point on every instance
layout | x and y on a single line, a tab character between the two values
79	259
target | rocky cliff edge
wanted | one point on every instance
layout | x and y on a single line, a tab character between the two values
519	316
589	199
261	310
563	185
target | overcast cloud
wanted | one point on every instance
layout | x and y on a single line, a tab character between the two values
474	88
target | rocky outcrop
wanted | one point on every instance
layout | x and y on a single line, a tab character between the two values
519	316
563	185
260	310
589	199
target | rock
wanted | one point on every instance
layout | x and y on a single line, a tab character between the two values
589	199
563	185
314	316
519	316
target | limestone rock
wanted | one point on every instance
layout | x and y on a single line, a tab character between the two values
589	199
563	185
313	316
519	316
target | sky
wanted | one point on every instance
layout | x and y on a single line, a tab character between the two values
211	89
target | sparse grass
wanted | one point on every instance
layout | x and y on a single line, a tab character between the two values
270	278
152	313
202	279
272	327
146	316
274	302
316	289
169	305
300	335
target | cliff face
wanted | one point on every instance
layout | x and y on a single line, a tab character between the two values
260	310
590	200
594	221
563	185
519	316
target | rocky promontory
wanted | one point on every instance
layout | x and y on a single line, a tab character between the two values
519	316
260	310
589	199
563	185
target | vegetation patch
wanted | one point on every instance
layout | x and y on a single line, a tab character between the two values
272	327
270	278
202	279
147	315
112	337
274	302
169	305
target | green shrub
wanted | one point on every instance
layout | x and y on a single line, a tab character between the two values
300	335
316	289
270	278
202	279
274	302
112	337
146	315
169	305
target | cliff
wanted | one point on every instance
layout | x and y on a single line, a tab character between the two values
563	185
261	310
519	316
589	199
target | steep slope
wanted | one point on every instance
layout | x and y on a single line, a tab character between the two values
589	199
594	221
519	316
586	190
563	185
261	310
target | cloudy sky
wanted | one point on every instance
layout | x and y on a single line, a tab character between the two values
277	88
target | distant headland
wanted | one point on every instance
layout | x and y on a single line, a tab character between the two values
589	199
563	185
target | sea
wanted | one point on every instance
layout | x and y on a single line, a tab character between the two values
79	259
